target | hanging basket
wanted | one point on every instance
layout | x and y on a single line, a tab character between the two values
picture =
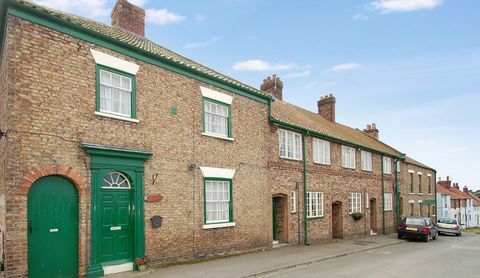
357	216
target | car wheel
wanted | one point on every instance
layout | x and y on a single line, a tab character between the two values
399	237
459	234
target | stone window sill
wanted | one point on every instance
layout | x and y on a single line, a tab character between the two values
219	225
106	115
217	136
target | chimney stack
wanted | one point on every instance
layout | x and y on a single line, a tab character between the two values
129	17
273	86
465	189
446	183
372	131
326	107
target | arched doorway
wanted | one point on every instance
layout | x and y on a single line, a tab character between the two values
337	221
52	219
373	215
279	218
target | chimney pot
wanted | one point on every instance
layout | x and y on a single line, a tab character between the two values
129	17
448	178
326	107
371	130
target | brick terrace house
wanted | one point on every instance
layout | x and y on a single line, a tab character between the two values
476	210
342	170
117	148
417	187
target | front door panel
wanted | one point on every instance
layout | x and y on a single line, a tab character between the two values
117	229
52	230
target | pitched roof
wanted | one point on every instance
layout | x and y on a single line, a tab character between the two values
476	199
443	190
141	43
410	160
294	115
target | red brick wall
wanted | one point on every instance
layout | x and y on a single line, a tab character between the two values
52	104
404	181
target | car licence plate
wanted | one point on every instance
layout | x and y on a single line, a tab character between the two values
411	229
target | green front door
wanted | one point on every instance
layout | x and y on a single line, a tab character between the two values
116	219
52	228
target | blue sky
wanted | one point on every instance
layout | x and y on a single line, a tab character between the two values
410	66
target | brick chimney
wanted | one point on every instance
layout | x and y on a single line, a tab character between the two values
465	189
326	107
372	131
456	186
129	17
446	183
273	86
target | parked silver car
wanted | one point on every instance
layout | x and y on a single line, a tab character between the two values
449	226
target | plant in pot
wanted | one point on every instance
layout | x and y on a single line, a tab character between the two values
142	263
357	216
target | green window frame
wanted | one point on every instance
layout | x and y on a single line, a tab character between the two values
230	204
229	120
133	100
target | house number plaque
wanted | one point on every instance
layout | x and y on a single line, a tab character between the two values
115	228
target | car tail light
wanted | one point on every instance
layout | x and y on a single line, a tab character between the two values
400	227
426	230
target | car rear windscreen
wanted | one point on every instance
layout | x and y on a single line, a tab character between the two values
415	221
447	221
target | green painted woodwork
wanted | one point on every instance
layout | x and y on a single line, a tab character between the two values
305	223
129	162
52	231
383	200
42	18
230	209
219	103
428	202
116	222
133	101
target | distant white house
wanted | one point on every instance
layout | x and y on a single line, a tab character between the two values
454	203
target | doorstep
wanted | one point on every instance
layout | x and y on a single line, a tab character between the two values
112	269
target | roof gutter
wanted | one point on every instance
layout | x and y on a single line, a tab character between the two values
272	119
42	18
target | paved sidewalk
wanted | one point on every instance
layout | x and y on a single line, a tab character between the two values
271	261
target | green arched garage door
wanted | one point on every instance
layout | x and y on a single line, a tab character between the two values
52	228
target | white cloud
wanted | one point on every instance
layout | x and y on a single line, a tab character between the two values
162	16
298	74
259	65
203	43
200	17
359	17
341	67
138	2
89	8
387	6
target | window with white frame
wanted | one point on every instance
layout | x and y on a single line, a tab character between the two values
216	118
116	93
314	204
366	160
290	145
348	157
321	151
387	165
354	202
387	198
218	205
293	202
